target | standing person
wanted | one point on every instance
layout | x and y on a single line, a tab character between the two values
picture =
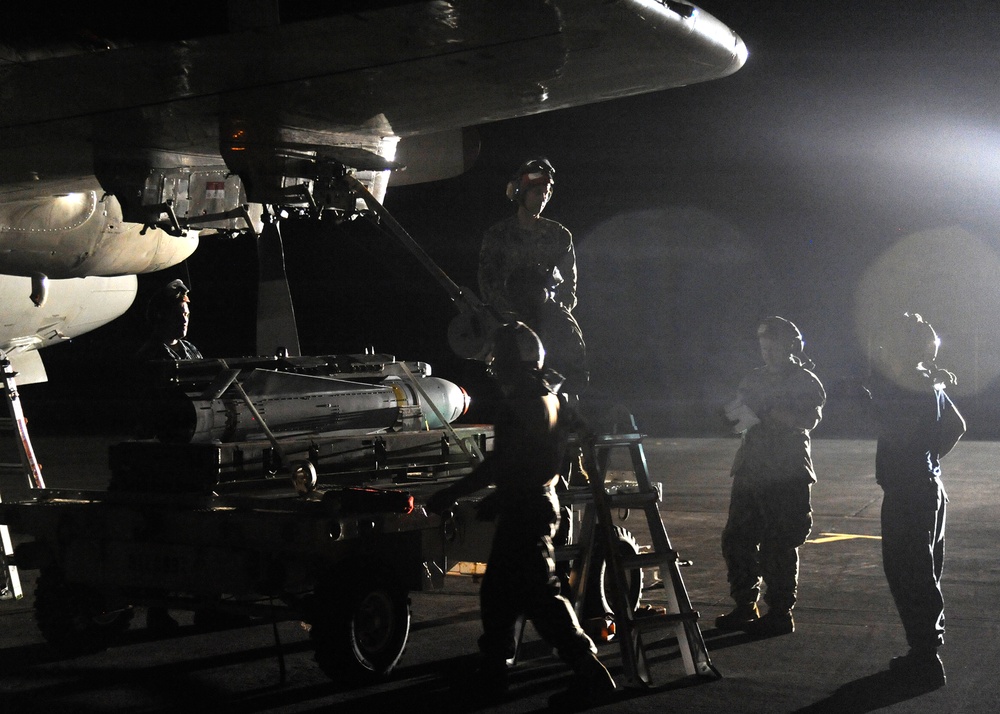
168	314
918	425
530	442
770	514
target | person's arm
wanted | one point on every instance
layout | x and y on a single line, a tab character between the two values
803	408
952	425
479	479
565	293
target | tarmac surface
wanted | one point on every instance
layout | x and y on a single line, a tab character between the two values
847	628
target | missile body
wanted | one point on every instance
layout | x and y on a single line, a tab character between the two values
209	401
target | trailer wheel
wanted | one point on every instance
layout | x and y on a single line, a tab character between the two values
75	618
596	602
361	633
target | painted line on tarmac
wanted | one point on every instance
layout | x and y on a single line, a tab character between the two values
834	537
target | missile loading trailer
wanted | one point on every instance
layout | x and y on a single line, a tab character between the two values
342	561
220	529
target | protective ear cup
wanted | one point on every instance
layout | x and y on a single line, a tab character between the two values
511	190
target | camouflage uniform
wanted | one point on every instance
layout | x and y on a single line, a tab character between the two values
506	246
913	423
770	514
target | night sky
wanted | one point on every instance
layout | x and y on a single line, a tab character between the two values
847	172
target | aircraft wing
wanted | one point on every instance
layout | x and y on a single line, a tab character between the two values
355	79
124	134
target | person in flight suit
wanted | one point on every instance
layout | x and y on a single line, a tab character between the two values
770	514
520	580
918	425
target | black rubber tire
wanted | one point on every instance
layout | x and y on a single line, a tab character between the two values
360	633
596	602
74	618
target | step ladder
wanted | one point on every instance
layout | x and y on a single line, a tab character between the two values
18	460
680	619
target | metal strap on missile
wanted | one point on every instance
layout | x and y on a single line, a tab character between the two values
303	472
680	618
17	426
471	449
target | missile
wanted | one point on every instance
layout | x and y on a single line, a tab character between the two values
211	403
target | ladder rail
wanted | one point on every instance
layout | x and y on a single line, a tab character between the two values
680	619
629	638
28	466
32	469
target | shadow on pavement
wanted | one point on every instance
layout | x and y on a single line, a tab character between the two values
868	694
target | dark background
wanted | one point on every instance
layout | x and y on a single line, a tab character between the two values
847	172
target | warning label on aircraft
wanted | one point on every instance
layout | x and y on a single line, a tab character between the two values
215	190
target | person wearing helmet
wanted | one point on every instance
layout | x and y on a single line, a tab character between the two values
168	314
530	440
918	424
527	239
770	514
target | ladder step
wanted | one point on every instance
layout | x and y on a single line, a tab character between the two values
566	552
575	496
618	439
650	559
634	499
618	498
653	622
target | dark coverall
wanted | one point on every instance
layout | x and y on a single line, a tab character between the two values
770	513
917	425
520	573
529	446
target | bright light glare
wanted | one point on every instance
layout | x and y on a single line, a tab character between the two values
948	276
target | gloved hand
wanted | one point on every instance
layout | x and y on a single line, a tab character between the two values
441	501
741	416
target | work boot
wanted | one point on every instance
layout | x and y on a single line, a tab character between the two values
773	624
592	686
920	667
740	618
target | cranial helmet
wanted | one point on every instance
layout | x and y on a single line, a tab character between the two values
515	347
911	337
166	298
531	173
783	331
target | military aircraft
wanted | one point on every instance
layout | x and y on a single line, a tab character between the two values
126	135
